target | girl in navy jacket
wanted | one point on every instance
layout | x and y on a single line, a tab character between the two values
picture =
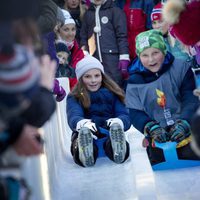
96	101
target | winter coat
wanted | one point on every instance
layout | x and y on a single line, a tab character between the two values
41	108
112	37
177	49
138	14
175	80
104	105
113	28
76	54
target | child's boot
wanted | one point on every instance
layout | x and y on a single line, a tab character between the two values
85	146
118	142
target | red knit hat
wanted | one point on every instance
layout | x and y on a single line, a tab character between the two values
184	19
156	12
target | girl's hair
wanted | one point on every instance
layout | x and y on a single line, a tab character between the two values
81	93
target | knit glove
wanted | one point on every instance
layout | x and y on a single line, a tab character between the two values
180	130
58	91
123	67
86	123
112	121
155	131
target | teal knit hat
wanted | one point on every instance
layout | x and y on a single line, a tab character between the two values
151	38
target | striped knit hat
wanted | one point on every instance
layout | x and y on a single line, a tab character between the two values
156	12
19	76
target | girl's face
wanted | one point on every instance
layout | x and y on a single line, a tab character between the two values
92	79
160	25
68	32
72	4
62	57
152	59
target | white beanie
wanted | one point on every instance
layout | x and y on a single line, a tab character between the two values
67	17
86	64
69	21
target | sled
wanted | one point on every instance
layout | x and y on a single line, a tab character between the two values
171	158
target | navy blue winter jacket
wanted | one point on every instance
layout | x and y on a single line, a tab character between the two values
104	105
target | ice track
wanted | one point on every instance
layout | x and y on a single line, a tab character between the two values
132	180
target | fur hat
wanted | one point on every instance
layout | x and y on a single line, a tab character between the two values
156	13
184	18
87	63
151	38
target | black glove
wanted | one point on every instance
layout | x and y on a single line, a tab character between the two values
155	131
180	130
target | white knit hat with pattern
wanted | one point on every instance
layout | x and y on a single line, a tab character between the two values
86	64
67	17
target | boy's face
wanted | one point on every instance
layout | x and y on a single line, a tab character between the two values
160	25
92	79
152	59
62	57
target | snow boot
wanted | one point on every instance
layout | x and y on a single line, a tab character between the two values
85	146
118	143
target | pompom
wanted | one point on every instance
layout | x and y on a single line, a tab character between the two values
97	29
172	10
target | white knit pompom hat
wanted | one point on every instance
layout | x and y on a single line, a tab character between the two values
86	64
67	18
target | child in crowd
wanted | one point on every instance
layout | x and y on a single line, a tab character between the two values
64	58
177	49
160	97
96	101
77	10
67	33
184	17
104	35
138	19
26	100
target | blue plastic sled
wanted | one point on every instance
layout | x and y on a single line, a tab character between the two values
171	158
